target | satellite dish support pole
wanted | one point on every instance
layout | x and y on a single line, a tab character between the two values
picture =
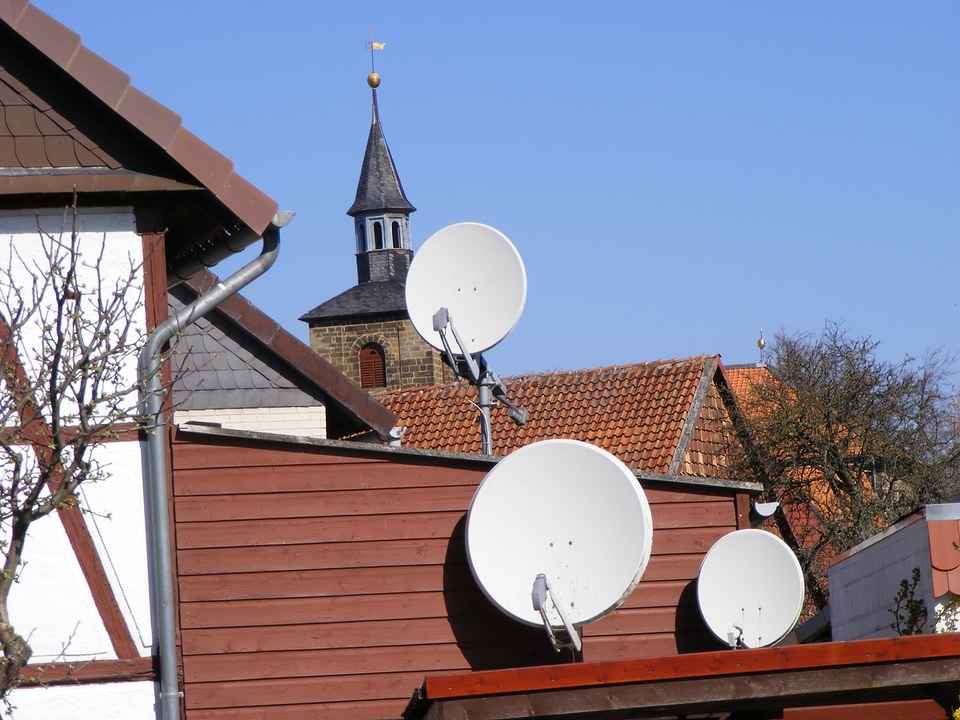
480	375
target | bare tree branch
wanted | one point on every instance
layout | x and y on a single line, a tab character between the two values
849	443
71	327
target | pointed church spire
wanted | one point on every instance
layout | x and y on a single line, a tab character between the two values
379	188
380	210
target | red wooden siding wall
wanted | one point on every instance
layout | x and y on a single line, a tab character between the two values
326	583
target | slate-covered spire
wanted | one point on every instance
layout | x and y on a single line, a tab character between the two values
380	210
379	188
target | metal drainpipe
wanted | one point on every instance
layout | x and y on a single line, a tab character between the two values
155	462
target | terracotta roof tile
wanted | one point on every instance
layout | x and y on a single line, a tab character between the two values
945	555
637	412
741	378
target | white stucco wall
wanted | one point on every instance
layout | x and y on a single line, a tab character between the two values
110	251
52	604
108	701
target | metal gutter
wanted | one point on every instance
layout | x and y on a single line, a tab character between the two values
155	463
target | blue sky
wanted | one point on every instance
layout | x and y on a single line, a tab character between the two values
676	176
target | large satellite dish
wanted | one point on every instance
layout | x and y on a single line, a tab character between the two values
474	272
465	291
559	534
750	589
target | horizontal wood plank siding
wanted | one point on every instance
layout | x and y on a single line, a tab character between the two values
326	583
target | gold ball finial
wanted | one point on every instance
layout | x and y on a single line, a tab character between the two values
373	80
761	343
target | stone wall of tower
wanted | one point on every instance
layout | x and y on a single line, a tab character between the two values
408	360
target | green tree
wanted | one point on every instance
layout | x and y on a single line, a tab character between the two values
849	443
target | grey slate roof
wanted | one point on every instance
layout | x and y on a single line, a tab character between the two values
216	371
370	298
243	358
379	187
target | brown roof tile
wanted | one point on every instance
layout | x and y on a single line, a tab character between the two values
29	117
637	412
56	41
103	79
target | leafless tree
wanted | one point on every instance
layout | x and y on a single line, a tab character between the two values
69	337
849	443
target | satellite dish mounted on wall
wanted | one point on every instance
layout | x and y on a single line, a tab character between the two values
750	589
559	534
465	291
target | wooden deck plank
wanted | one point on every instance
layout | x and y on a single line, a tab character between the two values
298	691
727	662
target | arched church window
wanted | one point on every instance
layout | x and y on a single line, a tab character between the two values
396	234
372	367
378	235
361	238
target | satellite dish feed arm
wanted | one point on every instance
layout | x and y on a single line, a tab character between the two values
441	321
541	592
517	414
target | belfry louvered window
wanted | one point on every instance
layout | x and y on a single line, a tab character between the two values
372	370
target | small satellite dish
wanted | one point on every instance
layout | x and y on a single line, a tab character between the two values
750	589
569	513
474	272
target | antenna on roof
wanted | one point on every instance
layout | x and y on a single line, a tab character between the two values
472	273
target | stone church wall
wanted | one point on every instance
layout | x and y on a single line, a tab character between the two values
408	360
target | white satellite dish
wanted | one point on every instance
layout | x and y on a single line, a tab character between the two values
750	589
474	272
559	521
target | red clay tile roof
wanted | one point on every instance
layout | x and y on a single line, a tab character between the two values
660	417
944	556
741	378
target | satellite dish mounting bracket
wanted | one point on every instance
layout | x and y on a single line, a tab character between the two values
490	387
561	636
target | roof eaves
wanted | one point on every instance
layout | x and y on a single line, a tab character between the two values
153	120
461	459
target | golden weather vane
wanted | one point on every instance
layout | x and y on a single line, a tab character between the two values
372	46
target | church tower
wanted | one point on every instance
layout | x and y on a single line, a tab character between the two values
366	331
